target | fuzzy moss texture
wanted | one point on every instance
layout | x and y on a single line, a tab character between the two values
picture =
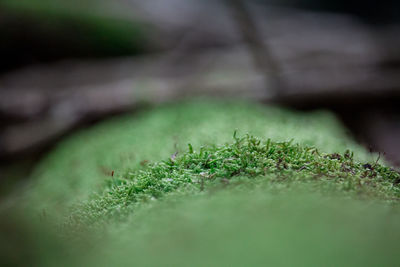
247	158
179	186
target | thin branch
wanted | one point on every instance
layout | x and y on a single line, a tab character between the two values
261	53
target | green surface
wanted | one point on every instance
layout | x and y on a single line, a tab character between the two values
294	197
257	228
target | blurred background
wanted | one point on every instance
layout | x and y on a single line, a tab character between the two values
68	64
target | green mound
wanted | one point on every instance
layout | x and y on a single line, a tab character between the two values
131	191
81	164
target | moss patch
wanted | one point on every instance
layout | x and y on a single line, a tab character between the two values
151	199
247	157
83	163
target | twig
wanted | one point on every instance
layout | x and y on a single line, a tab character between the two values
261	53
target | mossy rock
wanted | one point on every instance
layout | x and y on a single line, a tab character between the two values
178	186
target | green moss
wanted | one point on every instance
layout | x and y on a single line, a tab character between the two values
241	227
248	158
221	200
82	163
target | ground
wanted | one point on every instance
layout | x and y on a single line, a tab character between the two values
215	183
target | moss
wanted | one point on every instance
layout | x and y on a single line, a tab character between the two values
184	192
247	157
82	163
241	227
